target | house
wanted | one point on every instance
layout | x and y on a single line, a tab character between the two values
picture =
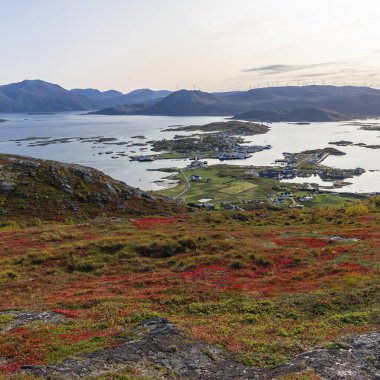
196	178
207	206
306	199
197	164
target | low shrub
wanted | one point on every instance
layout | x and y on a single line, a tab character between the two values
352	318
166	249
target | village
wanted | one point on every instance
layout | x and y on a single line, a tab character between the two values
219	145
233	187
307	164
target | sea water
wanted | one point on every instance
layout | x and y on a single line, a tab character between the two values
32	135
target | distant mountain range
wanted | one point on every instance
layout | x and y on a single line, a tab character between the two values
40	96
115	98
348	100
296	115
307	103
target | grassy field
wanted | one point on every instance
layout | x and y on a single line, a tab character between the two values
237	187
223	183
221	187
266	285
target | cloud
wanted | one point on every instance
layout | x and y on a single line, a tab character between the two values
280	68
326	74
317	75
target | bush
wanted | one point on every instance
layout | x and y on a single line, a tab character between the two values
79	265
260	261
167	249
136	317
315	216
353	318
357	209
8	275
108	248
40	258
237	265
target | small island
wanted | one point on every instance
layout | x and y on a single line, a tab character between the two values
350	143
223	141
3	120
371	127
366	126
233	128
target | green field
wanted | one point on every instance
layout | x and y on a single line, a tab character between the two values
223	183
220	187
237	187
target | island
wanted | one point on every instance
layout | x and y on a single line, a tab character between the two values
350	143
366	126
371	127
233	128
223	141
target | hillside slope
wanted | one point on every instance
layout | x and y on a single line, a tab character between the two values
296	115
180	103
52	190
190	103
245	290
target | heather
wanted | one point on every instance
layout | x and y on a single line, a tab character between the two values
265	285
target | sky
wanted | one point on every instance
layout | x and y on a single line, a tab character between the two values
211	45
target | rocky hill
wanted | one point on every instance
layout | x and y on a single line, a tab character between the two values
296	115
52	190
126	109
159	343
261	294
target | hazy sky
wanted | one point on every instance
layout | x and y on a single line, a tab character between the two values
210	44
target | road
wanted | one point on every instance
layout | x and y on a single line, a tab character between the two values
188	186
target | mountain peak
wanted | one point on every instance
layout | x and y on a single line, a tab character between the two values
40	96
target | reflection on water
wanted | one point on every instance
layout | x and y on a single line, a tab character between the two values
111	156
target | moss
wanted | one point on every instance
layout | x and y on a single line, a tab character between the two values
5	319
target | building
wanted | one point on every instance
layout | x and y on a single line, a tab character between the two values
196	178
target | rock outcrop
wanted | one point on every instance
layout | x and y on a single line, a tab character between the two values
156	343
51	190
